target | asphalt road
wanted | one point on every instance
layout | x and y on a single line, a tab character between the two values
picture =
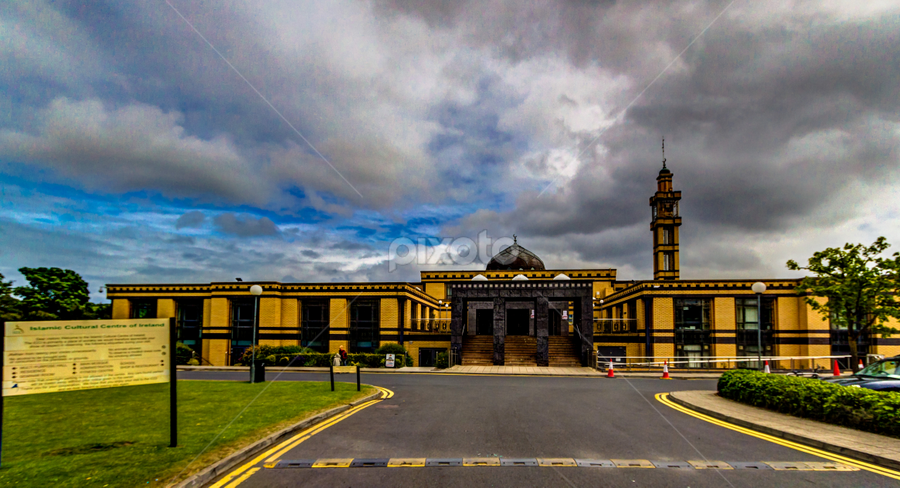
444	416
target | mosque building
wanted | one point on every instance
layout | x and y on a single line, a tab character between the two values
515	312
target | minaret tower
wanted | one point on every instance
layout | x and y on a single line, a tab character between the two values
665	223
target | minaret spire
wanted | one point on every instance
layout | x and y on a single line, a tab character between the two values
664	152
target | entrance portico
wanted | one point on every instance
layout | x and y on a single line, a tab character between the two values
513	303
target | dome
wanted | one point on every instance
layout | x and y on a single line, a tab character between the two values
479	277
561	276
515	257
520	277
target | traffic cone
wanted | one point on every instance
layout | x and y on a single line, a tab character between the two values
609	372
836	370
665	375
861	364
767	367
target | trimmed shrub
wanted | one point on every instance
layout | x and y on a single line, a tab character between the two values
397	350
293	356
183	354
442	361
858	408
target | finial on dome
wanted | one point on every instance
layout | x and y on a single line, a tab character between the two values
514	239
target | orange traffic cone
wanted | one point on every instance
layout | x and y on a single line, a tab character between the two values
836	370
665	375
609	372
861	364
767	368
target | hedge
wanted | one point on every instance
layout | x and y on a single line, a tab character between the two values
296	356
858	408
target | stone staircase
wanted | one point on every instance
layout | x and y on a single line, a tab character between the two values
478	350
520	351
564	351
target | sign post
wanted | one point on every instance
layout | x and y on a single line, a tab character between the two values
389	361
173	387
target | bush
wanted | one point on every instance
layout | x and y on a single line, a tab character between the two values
858	408
294	356
442	361
397	350
183	354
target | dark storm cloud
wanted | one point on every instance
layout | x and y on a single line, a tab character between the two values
245	225
309	253
194	218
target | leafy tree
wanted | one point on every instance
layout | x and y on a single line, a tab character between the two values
9	306
860	286
56	294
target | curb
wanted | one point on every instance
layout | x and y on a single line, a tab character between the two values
224	465
294	369
825	446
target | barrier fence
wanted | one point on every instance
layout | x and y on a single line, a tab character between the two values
654	363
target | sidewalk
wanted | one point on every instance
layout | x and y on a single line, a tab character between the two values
864	446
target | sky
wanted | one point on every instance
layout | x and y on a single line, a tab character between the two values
168	141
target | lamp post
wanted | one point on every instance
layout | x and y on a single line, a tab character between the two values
256	291
759	288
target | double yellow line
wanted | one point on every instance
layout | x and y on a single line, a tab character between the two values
664	399
241	474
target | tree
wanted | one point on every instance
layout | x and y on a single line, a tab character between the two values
9	306
55	294
861	289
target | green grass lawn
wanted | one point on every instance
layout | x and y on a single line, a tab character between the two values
119	436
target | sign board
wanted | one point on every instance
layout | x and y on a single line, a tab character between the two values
532	313
389	361
565	315
344	369
52	356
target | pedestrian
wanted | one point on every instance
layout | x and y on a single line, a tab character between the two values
343	354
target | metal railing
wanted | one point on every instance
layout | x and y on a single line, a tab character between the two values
655	363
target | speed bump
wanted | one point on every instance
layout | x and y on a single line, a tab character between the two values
406	463
518	462
369	463
333	463
710	464
294	463
556	462
632	463
745	465
672	464
822	466
594	463
481	461
441	462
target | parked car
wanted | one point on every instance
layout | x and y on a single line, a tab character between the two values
883	375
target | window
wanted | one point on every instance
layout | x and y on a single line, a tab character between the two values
314	325
363	326
143	309
190	324
746	311
692	314
242	322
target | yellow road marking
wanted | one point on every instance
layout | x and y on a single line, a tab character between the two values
242	478
664	399
306	434
272	454
385	393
